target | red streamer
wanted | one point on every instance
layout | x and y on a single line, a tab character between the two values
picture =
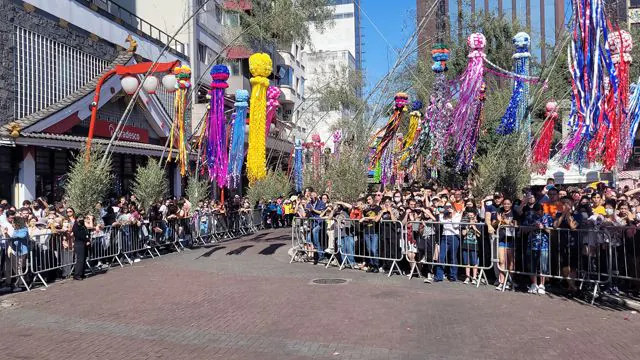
542	147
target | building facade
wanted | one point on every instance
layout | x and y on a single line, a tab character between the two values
329	57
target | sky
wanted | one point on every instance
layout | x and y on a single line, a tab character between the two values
395	23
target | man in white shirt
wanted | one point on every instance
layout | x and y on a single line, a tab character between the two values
449	243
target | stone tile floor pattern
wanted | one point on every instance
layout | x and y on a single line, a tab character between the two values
242	300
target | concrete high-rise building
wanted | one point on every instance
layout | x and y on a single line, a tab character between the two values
329	57
544	20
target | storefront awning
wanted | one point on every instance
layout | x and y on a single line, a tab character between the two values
238	52
61	141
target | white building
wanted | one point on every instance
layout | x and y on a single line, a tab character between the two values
291	78
329	57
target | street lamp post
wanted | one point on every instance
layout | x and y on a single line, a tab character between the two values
130	84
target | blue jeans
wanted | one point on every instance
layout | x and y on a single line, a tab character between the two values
371	242
539	261
448	255
348	249
314	238
470	257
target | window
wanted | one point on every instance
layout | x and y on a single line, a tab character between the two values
202	52
301	89
285	72
231	18
218	13
297	84
342	16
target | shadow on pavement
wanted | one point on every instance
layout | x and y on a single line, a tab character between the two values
239	250
211	251
271	249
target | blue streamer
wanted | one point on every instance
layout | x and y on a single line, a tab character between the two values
236	151
297	166
514	116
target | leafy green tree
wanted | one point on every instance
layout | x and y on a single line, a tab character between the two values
88	182
275	184
282	22
197	189
150	183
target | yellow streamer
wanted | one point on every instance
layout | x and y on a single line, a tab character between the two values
414	120
260	66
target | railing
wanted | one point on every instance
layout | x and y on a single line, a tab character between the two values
587	260
131	20
47	256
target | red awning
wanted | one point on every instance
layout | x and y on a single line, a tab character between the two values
240	5
238	52
142	68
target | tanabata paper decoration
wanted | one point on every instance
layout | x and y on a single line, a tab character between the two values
542	147
177	134
617	151
316	146
415	123
468	112
273	93
514	117
437	118
388	132
337	141
217	156
589	63
298	166
236	152
634	118
260	66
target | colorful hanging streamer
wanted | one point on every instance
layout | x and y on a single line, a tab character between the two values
542	147
468	112
298	166
260	66
236	152
316	146
337	141
273	93
183	75
388	132
513	118
634	119
616	150
590	63
217	156
413	133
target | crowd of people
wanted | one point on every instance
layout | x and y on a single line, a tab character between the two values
61	236
447	227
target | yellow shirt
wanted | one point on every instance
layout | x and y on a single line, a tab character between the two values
288	209
599	210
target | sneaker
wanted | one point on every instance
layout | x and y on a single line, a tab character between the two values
376	270
474	281
430	277
499	287
533	289
136	260
428	280
541	290
328	251
467	281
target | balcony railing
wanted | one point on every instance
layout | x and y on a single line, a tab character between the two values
130	20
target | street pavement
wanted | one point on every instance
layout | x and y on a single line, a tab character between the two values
243	300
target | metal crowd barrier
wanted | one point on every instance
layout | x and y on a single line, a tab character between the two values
378	244
625	254
104	248
50	252
582	255
450	245
14	261
257	219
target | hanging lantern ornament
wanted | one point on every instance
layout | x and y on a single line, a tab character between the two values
260	65
150	84
169	83
129	84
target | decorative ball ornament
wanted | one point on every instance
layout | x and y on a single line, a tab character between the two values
129	84
440	56
476	42
401	101
183	75
169	83
260	65
551	107
620	42
150	84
